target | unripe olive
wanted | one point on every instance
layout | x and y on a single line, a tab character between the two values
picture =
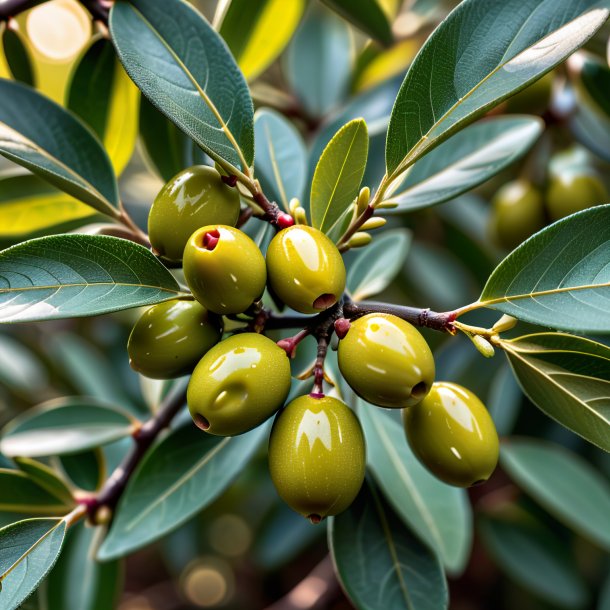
569	193
317	456
195	197
224	269
169	338
453	435
517	212
305	268
238	384
386	361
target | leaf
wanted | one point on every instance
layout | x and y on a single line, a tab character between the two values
567	486
559	277
17	56
380	563
319	61
85	470
46	478
46	139
28	551
78	581
29	204
568	378
21	494
374	268
604	597
67	276
438	514
535	558
466	160
21	369
102	95
186	70
257	31
504	400
367	16
64	426
281	158
502	46
178	478
336	181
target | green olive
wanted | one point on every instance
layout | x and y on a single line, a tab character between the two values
386	361
169	338
195	197
569	193
317	456
517	212
224	269
238	384
453	435
305	268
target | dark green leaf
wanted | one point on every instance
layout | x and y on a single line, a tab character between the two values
437	513
186	70
179	477
374	268
559	277
67	276
502	46
504	400
568	378
281	158
379	561
46	478
86	470
466	160
536	559
28	550
336	181
565	484
366	15
63	426
604	598
78	581
49	141
17	56
21	494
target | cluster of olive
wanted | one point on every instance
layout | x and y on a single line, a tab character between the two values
316	446
520	208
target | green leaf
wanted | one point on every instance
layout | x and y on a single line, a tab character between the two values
535	558
64	426
281	158
178	478
102	95
504	400
86	470
379	561
604	597
28	550
466	160
366	15
559	277
186	70
319	61
258	30
46	478
437	513
21	494
374	268
568	378
21	369
336	181
17	56
167	149
78	581
49	141
503	45
67	276
565	485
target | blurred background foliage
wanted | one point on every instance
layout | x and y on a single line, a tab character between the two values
305	61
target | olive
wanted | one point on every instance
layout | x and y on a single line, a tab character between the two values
195	197
238	384
224	269
169	338
386	361
317	456
305	269
571	192
517	212
453	435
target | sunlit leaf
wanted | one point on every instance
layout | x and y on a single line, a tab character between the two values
21	494
367	15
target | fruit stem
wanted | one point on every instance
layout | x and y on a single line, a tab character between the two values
318	369
289	345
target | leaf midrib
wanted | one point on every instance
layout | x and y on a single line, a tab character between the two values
85	284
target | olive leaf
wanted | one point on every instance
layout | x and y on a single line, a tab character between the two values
19	493
366	15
